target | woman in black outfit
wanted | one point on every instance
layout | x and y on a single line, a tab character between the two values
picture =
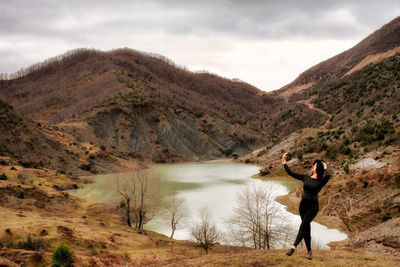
309	202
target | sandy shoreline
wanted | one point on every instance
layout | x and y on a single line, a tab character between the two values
216	161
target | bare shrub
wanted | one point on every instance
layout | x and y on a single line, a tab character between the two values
257	220
205	233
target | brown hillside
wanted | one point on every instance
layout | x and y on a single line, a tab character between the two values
23	140
69	84
141	104
382	40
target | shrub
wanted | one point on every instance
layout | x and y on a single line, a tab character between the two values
346	141
85	167
94	252
331	152
102	147
398	181
3	176
390	141
8	231
347	150
324	146
309	149
38	257
340	131
21	195
62	256
32	244
386	217
39	204
127	257
1	244
346	168
156	119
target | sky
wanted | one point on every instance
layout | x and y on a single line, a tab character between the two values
266	43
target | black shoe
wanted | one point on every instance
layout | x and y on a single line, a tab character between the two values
290	252
309	256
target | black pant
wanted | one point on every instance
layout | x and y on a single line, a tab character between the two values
308	210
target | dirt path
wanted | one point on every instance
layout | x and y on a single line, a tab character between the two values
311	106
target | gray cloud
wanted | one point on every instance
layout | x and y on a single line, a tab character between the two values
246	19
33	30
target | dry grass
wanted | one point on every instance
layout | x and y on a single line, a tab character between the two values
278	258
88	226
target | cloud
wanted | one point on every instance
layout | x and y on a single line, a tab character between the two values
254	19
184	30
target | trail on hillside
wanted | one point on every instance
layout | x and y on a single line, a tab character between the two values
311	106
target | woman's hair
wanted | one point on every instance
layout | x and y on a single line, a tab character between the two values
320	168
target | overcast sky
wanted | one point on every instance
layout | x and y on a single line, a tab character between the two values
266	43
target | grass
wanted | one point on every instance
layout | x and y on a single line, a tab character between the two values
274	258
125	246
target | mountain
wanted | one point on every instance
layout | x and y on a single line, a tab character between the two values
381	44
141	104
357	88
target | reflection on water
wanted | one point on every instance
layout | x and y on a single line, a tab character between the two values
214	185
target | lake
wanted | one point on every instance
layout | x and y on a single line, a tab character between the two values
212	185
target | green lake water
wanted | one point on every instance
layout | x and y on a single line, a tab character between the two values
212	185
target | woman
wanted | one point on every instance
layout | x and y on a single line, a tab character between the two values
309	202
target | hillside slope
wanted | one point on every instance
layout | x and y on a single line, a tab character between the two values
138	104
25	141
385	39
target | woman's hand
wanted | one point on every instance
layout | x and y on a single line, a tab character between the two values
325	165
284	158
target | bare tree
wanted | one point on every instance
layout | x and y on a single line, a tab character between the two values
257	220
126	187
205	232
178	212
134	188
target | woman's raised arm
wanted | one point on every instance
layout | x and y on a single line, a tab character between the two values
293	174
326	177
